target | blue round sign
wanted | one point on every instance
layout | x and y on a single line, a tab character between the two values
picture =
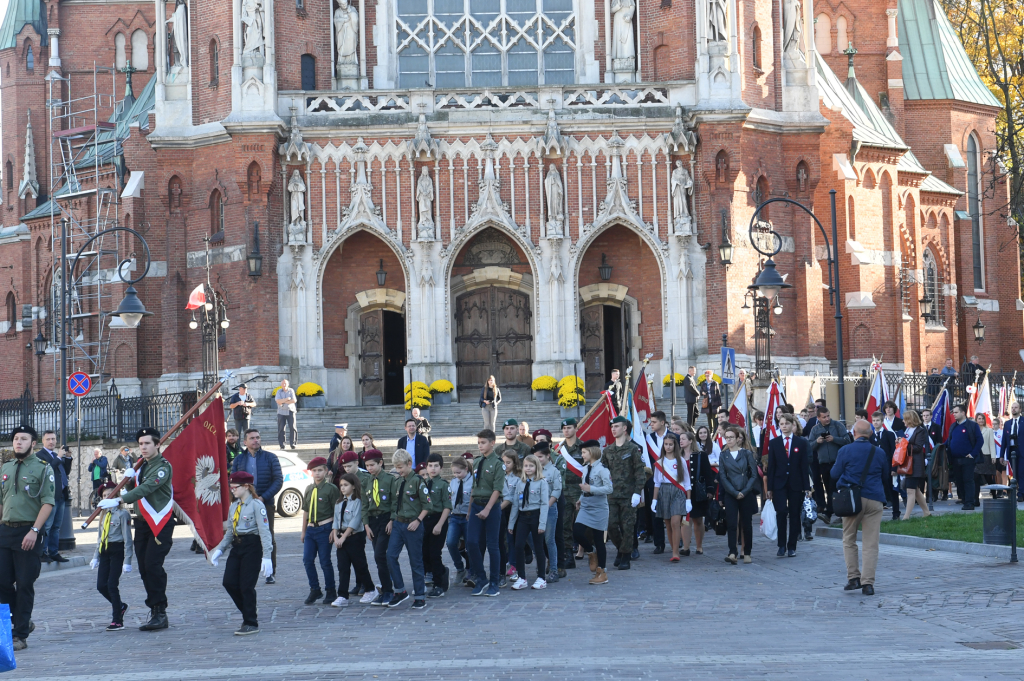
79	384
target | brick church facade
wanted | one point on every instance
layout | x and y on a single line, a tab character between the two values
457	188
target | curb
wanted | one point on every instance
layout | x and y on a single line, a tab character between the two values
949	545
73	562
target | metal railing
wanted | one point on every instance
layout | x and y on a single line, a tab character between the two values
921	390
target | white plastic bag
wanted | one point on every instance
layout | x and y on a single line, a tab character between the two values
768	526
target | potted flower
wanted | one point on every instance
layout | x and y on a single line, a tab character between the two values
441	391
666	383
570	396
544	388
417	394
310	396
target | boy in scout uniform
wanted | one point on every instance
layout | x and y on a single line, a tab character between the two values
27	494
485	516
377	497
626	465
511	430
570	490
435	525
149	488
317	522
410	507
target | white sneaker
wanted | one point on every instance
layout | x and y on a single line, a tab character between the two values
369	596
520	584
540	584
339	602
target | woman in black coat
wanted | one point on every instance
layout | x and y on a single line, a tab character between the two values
917	442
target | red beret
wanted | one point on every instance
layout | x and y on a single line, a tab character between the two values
421	466
542	431
241	478
468	456
317	461
349	457
372	455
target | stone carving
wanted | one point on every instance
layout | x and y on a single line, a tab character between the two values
682	187
684	140
179	43
295	150
552	144
29	184
346	40
623	49
489	207
792	35
361	209
718	21
423	144
491	247
555	201
297	195
617	206
425	204
254	40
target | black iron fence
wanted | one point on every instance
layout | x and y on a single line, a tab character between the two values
921	390
105	415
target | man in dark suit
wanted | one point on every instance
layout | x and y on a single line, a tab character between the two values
710	390
1010	449
789	480
413	442
886	441
48	455
614	386
690	394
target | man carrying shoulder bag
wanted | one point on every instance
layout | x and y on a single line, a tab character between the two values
860	496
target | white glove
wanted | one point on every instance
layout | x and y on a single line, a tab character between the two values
654	505
267	566
689	505
108	504
94	563
215	556
126	569
130	472
635	501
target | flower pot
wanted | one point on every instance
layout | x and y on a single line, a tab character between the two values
544	395
442	398
666	392
573	412
314	402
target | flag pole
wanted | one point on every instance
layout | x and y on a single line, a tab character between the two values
173	429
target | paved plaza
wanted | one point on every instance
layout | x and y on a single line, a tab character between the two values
935	615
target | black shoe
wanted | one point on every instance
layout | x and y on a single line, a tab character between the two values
852	585
658	550
436	592
618	559
247	629
570	563
314	596
808	537
271	580
115	626
124	609
398	599
792	554
158	620
781	553
635	554
331	595
57	558
684	552
624	563
868	590
967	507
648	539
419	604
46	558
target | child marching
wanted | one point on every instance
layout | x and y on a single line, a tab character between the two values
592	510
529	494
317	518
113	555
349	538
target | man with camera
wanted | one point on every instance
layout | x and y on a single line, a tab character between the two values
826	437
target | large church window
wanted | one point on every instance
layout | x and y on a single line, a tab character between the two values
933	286
974	209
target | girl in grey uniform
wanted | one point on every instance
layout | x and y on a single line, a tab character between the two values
529	494
248	531
592	510
513	468
113	555
349	538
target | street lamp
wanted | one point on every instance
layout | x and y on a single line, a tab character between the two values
212	318
604	270
254	259
979	330
40	343
926	307
382	276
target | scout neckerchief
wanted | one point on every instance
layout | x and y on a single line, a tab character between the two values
312	506
234	519
105	532
344	505
401	491
524	498
376	492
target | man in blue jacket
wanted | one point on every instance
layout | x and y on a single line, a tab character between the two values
964	444
266	471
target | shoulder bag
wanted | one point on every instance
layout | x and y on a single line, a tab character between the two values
697	490
847	501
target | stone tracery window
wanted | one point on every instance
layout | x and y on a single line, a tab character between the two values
485	43
933	286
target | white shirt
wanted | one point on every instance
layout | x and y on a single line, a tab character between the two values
671	467
887	422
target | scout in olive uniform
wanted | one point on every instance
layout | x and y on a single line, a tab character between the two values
435	525
113	555
511	430
26	491
317	520
377	499
149	488
626	465
570	488
247	531
410	507
485	516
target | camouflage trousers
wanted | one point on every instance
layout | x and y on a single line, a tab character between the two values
568	520
621	524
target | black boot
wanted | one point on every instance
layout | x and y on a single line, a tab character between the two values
331	595
624	563
618	559
314	595
570	562
157	619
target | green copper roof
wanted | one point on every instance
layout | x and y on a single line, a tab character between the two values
870	125
19	13
935	65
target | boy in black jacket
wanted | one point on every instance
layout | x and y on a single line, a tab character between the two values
886	440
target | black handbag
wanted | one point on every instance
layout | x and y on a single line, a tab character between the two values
697	490
847	501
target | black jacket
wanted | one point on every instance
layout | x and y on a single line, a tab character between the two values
422	448
792	472
690	390
713	392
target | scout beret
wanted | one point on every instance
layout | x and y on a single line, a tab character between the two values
349	457
373	455
148	431
591	443
241	478
25	429
568	422
542	431
105	486
468	456
421	466
541	448
315	462
509	422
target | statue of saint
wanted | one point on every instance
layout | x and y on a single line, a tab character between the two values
297	193
179	34
555	201
346	39
718	21
622	29
792	31
253	35
425	204
682	186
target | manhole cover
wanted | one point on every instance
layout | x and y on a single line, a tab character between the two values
990	645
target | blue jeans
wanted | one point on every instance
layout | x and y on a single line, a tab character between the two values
402	536
52	526
457	527
487	530
316	543
549	537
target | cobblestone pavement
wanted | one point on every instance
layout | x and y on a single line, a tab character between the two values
935	615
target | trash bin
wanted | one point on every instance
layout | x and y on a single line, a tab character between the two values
998	517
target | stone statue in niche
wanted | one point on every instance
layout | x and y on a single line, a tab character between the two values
623	48
801	176
792	35
254	40
555	201
718	21
297	196
425	205
346	40
178	44
682	187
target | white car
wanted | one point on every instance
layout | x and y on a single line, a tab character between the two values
296	480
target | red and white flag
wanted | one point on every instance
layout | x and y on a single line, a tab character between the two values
739	409
981	401
572	464
200	479
197	298
879	393
771	426
597	424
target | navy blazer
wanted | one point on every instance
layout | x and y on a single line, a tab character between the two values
792	473
1010	445
422	448
886	440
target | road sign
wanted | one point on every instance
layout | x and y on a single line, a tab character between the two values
728	366
79	384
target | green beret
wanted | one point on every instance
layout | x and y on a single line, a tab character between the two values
510	422
568	422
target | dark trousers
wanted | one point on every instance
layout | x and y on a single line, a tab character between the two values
241	574
379	527
788	504
581	534
559	537
403	537
1015	461
271	514
53	524
352	554
433	544
824	486
527	526
654	526
150	551
21	568
504	539
282	421
691	412
484	534
317	545
739	514
892	490
966	485
108	577
241	423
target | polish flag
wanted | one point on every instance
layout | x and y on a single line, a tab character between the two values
771	425
197	298
738	410
879	393
572	464
981	401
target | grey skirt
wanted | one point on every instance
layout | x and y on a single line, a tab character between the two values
671	501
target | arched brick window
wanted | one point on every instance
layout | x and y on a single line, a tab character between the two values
12	311
119	50
216	216
755	47
823	34
308	67
30	59
214	62
140	50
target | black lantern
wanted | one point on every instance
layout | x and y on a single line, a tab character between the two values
926	307
725	250
979	330
382	276
604	269
769	282
40	343
255	258
131	310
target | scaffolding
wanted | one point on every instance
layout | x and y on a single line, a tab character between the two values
84	143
